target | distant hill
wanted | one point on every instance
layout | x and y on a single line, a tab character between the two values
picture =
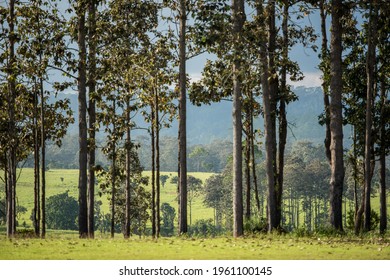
210	122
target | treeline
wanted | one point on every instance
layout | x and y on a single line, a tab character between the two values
129	57
201	157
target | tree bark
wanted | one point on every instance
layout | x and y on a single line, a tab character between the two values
282	111
43	162
325	83
183	223
11	153
370	69
128	172
336	118
113	175
154	230
247	169
92	117
254	175
238	22
37	207
382	162
83	149
156	102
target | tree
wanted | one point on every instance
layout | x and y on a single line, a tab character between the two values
163	179
194	187
370	69
82	111
92	43
336	118
62	212
168	219
182	134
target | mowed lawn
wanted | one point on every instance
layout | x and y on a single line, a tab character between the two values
269	247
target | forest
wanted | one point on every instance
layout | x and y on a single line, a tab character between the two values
126	61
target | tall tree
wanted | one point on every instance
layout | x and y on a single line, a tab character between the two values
370	71
92	42
336	118
11	153
238	18
183	222
83	131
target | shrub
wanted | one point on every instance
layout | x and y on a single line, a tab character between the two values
62	211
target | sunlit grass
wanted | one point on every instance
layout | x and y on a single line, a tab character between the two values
61	180
62	246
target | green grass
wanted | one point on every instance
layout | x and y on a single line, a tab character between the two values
55	185
65	246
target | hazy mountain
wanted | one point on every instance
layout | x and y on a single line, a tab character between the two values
210	122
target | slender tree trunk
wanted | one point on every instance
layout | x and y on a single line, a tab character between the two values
157	165
370	69
92	117
12	149
128	171
83	149
382	162
282	111
325	83
336	118
183	223
43	162
37	207
114	171
154	230
248	171
254	175
355	173
238	22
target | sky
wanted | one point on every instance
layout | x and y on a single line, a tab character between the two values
306	58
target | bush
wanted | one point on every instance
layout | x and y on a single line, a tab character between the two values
62	211
351	219
255	225
168	219
204	228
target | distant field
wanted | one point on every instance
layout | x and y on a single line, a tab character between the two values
66	246
61	180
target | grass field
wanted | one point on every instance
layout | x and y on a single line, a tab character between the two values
64	245
61	246
61	180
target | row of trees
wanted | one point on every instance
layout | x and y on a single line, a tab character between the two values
129	57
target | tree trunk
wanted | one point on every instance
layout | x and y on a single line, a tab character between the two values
183	223
11	153
92	117
238	22
282	111
37	207
382	162
157	164
248	171
254	175
43	162
153	120
269	120
113	178
336	118
128	171
83	149
325	83
370	69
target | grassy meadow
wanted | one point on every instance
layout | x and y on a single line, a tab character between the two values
61	180
65	245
